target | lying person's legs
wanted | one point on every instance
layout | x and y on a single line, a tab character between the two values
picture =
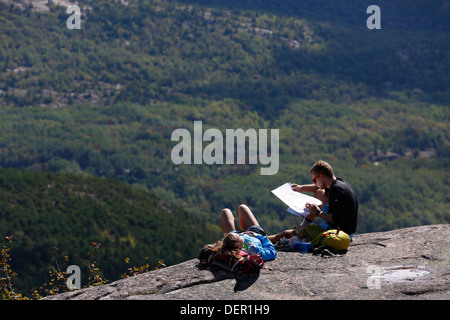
227	221
246	217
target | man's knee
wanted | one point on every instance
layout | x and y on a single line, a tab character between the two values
320	194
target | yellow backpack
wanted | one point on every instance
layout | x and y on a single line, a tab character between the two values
335	239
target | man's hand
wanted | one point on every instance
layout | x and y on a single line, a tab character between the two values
312	207
312	211
296	187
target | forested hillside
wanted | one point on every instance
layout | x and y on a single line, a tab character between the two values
51	216
103	101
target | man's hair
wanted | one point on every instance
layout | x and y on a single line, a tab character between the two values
322	167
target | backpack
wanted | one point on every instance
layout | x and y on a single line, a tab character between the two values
333	239
245	264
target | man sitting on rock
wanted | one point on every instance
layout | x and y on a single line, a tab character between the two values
342	202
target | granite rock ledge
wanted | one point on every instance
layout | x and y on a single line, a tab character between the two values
410	263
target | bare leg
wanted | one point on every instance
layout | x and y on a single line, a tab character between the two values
320	194
246	217
227	221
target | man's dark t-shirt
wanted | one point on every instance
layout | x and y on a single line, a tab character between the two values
343	206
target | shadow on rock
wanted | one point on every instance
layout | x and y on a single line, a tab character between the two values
243	281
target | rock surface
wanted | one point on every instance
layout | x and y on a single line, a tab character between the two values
411	263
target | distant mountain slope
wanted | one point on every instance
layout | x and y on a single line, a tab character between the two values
103	101
255	51
373	103
43	211
395	14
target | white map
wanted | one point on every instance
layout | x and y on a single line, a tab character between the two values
296	201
